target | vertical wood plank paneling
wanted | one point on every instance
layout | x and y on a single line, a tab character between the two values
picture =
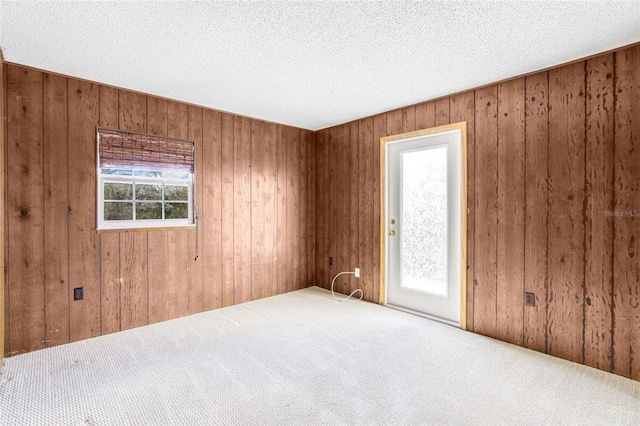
511	214
311	207
408	119
566	215
211	283
322	188
302	209
83	108
339	202
442	111
134	302
626	269
242	209
227	210
56	229
536	193
366	171
4	302
462	108
380	129
486	217
293	211
354	203
598	227
109	242
159	261
198	260
258	249
178	240
25	210
270	218
425	115
281	211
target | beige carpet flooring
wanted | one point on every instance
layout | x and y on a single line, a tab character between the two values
299	359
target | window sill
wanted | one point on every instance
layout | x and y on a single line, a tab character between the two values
142	229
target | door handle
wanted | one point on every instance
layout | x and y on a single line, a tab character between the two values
392	233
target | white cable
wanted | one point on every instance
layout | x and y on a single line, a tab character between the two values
352	293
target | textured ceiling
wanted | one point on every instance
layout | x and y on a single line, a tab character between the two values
308	64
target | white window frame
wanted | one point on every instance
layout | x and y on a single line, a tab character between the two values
143	223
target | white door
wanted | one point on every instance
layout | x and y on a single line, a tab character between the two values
423	244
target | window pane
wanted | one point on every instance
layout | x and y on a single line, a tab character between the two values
148	192
424	220
176	211
148	211
175	174
118	211
118	191
147	173
177	193
119	172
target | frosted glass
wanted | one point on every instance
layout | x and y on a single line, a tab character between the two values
424	220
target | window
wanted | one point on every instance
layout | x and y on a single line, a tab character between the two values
144	181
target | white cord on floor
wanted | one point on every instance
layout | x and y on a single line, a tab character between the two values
352	293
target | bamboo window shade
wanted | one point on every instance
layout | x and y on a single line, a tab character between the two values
121	149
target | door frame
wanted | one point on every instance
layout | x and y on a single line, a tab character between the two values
462	127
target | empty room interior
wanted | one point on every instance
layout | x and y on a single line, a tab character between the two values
391	213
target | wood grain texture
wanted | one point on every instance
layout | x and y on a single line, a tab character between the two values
626	269
281	211
536	208
366	171
227	198
354	201
311	207
339	203
207	175
134	300
486	217
462	108
258	248
83	109
4	329
598	227
109	243
426	115
242	210
178	240
381	128
56	226
511	211
303	263
293	208
566	214
158	259
409	119
442	111
209	287
270	141
25	219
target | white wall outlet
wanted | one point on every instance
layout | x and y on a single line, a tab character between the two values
357	272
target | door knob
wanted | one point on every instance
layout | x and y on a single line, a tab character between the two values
392	233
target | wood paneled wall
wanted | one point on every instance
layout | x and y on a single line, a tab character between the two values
554	197
254	202
3	138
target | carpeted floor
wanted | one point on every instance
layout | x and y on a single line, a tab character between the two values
302	358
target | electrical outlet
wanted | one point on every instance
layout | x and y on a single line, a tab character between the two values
78	293
529	299
357	272
330	261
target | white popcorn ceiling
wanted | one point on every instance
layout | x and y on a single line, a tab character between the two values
308	64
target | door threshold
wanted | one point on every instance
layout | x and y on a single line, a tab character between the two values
423	315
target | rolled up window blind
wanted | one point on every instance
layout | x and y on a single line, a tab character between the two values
121	149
